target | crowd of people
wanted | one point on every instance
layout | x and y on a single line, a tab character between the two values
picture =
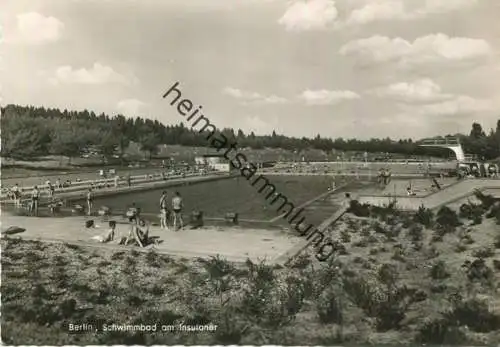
31	200
477	170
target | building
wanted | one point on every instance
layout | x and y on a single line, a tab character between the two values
214	161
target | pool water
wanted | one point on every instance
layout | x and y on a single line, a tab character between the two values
217	198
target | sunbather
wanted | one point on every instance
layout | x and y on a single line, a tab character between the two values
109	235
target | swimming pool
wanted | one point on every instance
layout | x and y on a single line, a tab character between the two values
216	198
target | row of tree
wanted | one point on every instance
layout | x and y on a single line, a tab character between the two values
35	131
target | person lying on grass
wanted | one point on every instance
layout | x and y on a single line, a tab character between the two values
109	235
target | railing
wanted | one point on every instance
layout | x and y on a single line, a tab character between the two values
103	182
441	142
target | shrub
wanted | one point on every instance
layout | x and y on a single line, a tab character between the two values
467	239
439	331
446	217
361	243
438	288
487	201
436	237
432	252
407	221
475	314
379	228
477	220
394	231
345	236
485	252
301	262
417	246
438	271
494	211
416	232
460	247
385	213
471	211
478	271
328	307
399	255
359	210
388	274
365	232
424	216
496	264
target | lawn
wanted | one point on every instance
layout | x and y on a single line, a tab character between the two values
395	279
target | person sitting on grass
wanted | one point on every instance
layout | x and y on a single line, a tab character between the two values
138	232
143	232
109	235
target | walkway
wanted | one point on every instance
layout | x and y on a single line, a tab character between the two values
233	243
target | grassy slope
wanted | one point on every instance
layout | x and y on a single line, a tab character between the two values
355	298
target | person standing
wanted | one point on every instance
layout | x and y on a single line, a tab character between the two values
35	195
51	189
164	211
177	206
90	201
16	191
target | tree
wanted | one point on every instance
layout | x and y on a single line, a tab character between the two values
150	144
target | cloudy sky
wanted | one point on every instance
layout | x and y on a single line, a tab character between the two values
350	68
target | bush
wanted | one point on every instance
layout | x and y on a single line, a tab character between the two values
485	252
385	213
475	314
417	245
345	236
477	220
424	216
361	243
467	239
437	237
471	211
438	271
460	247
365	232
416	232
478	271
388	274
328	307
301	262
446	217
487	201
494	211
399	255
496	264
439	331
359	210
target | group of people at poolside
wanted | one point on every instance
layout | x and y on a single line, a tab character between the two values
139	227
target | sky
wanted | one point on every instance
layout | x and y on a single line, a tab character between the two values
345	68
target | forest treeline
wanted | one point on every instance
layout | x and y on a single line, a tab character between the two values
29	132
